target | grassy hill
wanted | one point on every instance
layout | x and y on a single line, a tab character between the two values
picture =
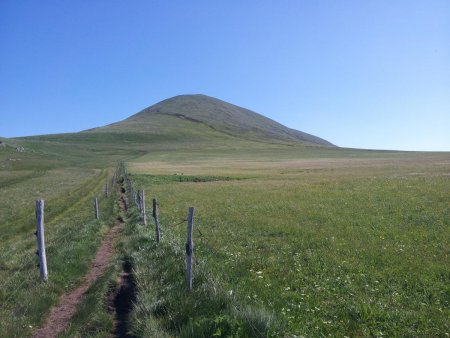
184	124
208	115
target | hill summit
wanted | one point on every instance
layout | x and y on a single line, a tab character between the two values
185	111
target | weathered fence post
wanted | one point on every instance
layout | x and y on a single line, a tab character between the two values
130	189
41	240
106	191
96	207
155	216
144	213
189	248
139	200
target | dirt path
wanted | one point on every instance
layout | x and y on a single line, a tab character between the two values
60	316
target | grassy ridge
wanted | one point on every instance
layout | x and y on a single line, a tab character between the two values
217	115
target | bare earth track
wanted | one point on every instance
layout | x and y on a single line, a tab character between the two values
60	316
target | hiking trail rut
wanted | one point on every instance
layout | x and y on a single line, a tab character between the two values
59	318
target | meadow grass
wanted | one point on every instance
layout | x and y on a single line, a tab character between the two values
333	248
72	236
164	306
291	240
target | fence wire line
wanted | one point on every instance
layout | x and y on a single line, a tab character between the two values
33	287
19	271
74	229
175	224
28	255
16	290
67	234
50	240
254	328
23	254
49	222
131	186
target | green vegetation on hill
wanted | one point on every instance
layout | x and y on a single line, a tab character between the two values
201	112
189	124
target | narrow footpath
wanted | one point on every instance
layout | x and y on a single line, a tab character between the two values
60	316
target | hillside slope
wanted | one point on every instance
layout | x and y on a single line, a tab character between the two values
178	126
189	111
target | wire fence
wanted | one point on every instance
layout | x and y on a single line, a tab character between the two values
31	261
122	180
21	260
135	195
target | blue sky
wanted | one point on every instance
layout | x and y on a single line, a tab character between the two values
366	74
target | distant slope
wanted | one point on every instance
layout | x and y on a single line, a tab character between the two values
188	124
184	112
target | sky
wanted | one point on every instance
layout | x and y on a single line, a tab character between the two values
363	74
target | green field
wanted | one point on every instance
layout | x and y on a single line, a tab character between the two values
330	246
72	234
291	239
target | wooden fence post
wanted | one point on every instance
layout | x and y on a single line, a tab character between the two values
144	213
139	200
41	240
130	189
96	207
155	216
189	248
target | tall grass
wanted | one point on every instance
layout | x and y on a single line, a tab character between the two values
165	307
